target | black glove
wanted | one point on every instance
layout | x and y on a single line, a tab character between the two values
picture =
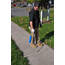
40	25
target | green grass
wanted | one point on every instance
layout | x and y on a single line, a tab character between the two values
46	32
22	22
17	57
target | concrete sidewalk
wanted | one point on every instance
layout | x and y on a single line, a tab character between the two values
36	56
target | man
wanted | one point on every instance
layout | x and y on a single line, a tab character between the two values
34	25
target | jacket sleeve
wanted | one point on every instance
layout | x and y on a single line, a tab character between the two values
31	16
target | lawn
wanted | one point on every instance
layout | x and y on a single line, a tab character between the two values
46	32
17	57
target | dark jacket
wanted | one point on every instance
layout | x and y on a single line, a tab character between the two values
34	17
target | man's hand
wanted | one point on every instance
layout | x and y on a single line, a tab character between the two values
40	25
32	30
